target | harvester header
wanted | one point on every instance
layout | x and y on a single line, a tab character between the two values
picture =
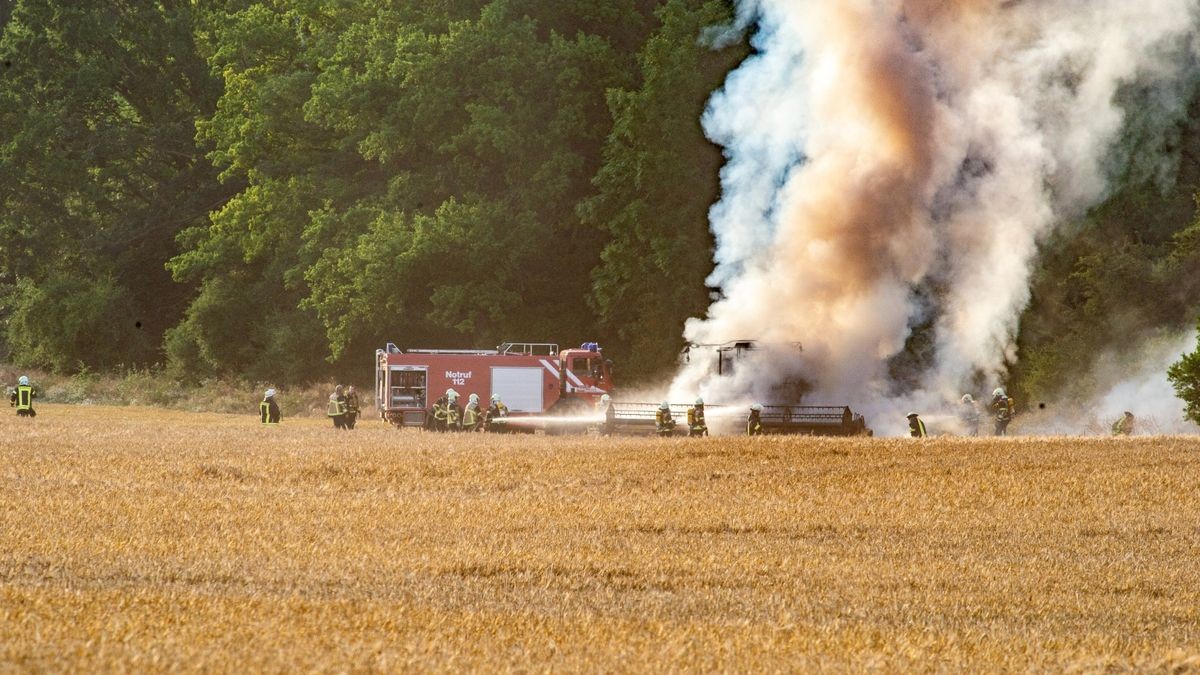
640	418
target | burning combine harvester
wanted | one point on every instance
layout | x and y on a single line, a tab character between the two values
786	412
560	391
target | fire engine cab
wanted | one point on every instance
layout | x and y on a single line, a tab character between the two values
531	379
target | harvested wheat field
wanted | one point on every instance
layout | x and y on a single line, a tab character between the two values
139	539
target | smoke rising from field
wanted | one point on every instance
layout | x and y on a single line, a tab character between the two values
892	166
1131	379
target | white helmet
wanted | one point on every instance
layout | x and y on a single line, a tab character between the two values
699	400
665	405
756	406
450	393
495	398
998	392
23	381
967	398
911	415
473	398
605	398
269	393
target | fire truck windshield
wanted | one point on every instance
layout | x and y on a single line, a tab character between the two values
582	366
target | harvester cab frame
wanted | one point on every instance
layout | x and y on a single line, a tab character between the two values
783	412
728	354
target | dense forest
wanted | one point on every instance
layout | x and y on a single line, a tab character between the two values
272	189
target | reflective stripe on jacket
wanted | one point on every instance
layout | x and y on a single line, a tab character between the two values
24	397
336	407
919	430
264	412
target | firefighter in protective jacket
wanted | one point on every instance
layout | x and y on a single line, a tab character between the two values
605	407
22	397
352	407
439	412
916	427
495	412
454	411
336	408
696	423
472	415
664	423
754	426
969	415
1004	407
1123	426
268	410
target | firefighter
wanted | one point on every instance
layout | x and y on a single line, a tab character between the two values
696	424
664	423
22	397
968	413
352	408
453	411
1123	426
495	412
1004	408
439	412
268	410
472	415
916	428
336	408
754	426
605	407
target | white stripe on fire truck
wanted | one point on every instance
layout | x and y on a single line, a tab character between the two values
552	369
575	379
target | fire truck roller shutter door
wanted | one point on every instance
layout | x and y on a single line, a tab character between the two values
519	388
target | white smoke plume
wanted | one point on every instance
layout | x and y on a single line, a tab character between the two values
895	163
1130	380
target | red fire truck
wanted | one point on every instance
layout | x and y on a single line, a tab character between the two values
531	379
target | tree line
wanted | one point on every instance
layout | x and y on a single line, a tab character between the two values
271	189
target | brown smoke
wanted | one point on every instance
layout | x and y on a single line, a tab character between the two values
860	201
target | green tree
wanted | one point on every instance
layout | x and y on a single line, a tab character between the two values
66	321
99	170
407	172
488	135
1185	377
659	177
248	261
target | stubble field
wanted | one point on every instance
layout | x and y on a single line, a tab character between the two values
134	539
